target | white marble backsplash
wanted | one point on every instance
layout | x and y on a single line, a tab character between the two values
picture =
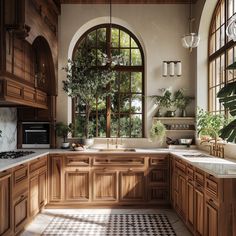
8	126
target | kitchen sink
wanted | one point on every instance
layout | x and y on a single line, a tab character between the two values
117	150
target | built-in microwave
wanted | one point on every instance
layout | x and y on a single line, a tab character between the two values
36	135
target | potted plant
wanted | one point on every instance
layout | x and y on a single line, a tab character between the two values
87	83
164	101
63	130
158	131
181	101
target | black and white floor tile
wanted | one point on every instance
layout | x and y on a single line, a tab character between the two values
110	225
106	222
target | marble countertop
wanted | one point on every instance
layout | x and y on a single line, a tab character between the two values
221	168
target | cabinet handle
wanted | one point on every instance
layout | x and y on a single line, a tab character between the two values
22	196
210	200
130	169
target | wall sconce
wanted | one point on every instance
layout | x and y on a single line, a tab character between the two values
175	68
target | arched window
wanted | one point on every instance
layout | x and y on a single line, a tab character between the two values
120	115
222	52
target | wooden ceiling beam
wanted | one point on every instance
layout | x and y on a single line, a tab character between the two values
126	1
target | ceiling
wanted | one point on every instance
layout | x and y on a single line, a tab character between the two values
126	1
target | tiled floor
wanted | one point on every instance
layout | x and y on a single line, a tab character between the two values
43	219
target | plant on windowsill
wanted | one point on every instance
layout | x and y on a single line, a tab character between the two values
181	101
87	83
164	101
158	131
62	131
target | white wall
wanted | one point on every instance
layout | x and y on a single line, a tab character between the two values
159	29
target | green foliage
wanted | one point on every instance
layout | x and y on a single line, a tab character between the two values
87	82
158	131
227	97
208	123
62	130
180	100
165	100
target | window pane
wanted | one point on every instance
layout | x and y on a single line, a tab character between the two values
125	126
136	126
218	39
115	37
125	53
101	38
101	125
133	44
114	125
230	8
124	39
218	71
222	36
100	56
124	82
222	12
91	39
136	103
125	103
136	82
212	44
136	59
218	20
79	124
115	102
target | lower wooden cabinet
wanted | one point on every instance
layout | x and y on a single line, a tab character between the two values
105	185
77	186
5	204
132	186
190	205
199	211
181	196
42	188
34	195
211	220
20	208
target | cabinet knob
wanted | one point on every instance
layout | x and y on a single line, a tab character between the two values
130	169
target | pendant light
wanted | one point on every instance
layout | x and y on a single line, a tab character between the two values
231	29
191	39
109	59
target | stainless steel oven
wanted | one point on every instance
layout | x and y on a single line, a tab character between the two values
36	135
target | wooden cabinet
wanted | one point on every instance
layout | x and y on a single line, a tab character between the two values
77	185
199	211
105	185
37	185
182	196
5	204
190	205
211	220
20	212
132	185
55	177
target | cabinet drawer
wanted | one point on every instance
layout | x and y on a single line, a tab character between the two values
40	163
212	188
190	172
199	178
161	160
20	174
119	161
180	165
77	160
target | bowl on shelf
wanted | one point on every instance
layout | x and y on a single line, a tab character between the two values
185	141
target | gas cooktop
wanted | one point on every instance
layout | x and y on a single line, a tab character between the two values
14	154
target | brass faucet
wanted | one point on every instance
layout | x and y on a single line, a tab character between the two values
216	149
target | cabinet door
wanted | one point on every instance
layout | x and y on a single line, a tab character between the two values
55	178
77	185
199	212
159	176
34	195
20	213
104	185
42	189
182	196
211	220
5	205
190	205
132	186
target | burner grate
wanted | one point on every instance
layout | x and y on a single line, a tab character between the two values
14	154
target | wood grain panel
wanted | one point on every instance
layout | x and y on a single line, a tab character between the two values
42	178
132	186
126	1
105	186
159	176
190	205
159	194
77	186
199	212
34	193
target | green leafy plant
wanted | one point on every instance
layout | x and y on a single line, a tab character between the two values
227	97
158	131
180	100
86	82
209	124
63	130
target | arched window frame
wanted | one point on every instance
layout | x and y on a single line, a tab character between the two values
119	68
221	53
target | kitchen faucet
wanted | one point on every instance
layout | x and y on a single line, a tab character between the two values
216	149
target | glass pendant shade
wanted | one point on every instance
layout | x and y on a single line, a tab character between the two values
231	29
190	40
